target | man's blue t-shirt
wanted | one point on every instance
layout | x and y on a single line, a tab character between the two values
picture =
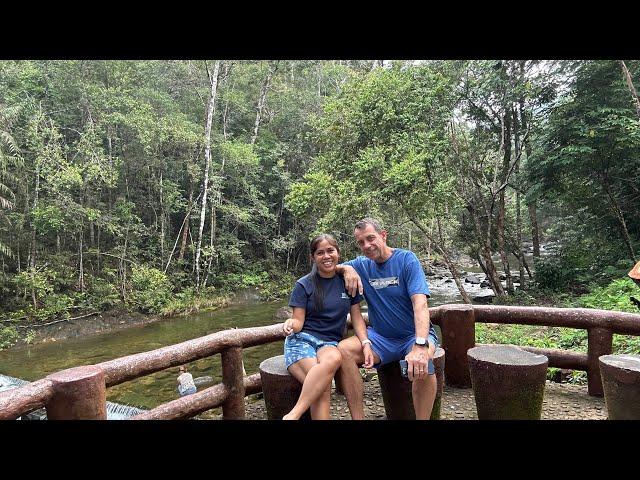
388	288
327	324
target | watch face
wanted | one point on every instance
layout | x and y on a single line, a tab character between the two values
421	341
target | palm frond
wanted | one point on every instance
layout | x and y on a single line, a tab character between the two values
6	251
7	140
5	204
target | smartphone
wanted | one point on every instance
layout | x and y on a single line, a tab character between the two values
404	367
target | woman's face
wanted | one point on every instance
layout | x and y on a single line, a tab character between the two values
326	258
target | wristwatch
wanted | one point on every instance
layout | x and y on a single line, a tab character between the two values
422	342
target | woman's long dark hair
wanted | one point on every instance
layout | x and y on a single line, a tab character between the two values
318	292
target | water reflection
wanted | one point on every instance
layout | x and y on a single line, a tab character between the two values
37	361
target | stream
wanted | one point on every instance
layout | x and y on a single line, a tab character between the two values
33	362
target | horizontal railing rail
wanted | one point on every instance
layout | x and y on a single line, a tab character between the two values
229	394
457	323
81	392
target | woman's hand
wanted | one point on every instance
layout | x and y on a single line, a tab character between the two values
287	326
368	356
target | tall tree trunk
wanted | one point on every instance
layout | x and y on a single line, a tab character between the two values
485	254
447	260
162	221
211	240
32	253
535	230
225	112
273	66
186	223
211	106
98	248
516	136
532	204
632	89
123	267
620	217
81	260
506	161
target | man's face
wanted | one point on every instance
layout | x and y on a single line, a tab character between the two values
371	243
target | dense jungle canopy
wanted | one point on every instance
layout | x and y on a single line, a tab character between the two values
152	185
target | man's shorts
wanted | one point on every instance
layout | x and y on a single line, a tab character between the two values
303	345
392	349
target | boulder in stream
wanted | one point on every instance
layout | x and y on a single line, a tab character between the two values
284	313
483	299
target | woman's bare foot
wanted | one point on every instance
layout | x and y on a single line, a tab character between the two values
290	416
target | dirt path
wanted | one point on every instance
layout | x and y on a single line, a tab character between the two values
562	401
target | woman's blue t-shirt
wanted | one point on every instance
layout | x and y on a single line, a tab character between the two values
327	324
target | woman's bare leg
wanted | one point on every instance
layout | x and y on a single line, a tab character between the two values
320	408
316	381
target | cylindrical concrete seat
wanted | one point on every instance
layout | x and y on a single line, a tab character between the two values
396	391
621	383
508	382
280	389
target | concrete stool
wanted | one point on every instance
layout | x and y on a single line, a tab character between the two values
621	383
396	391
280	389
508	382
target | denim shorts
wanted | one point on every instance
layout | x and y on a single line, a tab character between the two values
393	349
303	345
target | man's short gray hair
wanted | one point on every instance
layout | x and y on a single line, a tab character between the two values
362	224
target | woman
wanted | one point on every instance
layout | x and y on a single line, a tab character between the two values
320	306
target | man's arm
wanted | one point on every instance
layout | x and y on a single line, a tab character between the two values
419	356
360	329
420	314
352	281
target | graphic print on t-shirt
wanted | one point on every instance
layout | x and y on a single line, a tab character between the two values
379	283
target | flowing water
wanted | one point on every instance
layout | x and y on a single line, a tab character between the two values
34	362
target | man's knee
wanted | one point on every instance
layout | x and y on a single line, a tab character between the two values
348	350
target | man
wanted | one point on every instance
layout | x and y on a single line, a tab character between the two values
396	292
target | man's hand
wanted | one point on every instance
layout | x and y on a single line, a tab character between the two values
352	281
368	356
417	360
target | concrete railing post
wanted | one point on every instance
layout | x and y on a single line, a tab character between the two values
233	379
78	394
600	342
458	336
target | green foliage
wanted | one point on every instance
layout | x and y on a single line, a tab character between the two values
278	286
589	155
29	337
614	296
8	337
383	142
101	161
580	258
150	289
189	301
41	281
102	294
